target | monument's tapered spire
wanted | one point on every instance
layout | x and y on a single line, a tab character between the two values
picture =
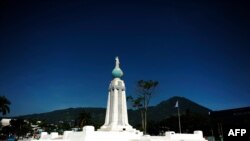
116	114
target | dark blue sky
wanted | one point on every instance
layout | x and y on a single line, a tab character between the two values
58	54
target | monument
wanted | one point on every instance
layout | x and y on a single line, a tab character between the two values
116	126
116	114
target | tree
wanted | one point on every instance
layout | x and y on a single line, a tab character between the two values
4	105
145	92
20	127
84	119
63	126
137	104
46	126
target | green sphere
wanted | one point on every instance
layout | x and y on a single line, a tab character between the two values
117	73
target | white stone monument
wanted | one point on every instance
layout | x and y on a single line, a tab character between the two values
116	126
116	114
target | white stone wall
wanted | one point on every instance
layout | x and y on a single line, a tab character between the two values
5	122
89	134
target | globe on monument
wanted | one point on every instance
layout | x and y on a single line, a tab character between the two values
117	73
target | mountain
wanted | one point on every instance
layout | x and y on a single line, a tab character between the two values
167	108
156	113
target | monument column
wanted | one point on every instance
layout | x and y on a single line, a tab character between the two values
116	113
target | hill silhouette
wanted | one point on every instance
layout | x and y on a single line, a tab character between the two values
158	112
167	108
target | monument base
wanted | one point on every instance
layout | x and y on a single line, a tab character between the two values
89	134
117	128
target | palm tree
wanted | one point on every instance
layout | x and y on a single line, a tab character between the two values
4	105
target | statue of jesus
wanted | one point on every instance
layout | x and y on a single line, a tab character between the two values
117	63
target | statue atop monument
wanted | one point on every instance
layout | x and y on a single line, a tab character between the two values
117	62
